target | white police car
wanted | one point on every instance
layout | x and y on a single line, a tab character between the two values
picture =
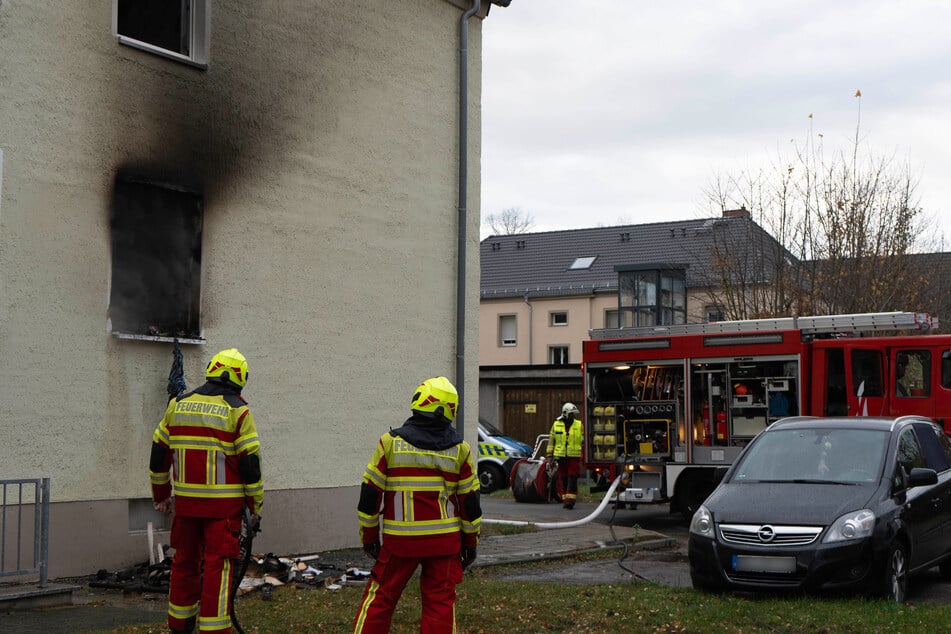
497	455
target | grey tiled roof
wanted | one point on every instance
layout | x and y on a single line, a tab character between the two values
538	264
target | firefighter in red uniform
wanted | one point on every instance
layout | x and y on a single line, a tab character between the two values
206	450
564	446
423	477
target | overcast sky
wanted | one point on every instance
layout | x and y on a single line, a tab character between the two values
603	112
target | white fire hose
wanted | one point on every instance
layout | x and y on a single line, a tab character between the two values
579	522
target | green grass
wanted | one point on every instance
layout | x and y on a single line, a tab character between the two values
488	604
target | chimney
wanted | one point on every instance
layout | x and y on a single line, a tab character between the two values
742	212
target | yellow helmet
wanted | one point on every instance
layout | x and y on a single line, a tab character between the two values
228	366
436	396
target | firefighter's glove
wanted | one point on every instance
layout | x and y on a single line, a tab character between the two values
372	550
468	556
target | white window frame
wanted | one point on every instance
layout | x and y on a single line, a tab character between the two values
708	311
558	318
504	320
199	35
561	351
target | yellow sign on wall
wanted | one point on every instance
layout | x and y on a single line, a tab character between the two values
531	408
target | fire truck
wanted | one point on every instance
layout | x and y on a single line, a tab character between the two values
667	407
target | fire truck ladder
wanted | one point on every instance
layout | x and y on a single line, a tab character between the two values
821	324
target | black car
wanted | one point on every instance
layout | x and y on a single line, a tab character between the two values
813	504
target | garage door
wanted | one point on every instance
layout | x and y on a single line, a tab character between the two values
528	412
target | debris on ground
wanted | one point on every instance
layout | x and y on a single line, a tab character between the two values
264	573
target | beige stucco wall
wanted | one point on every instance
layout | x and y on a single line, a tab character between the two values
324	140
535	332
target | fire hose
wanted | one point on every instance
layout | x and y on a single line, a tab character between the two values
588	518
579	522
245	542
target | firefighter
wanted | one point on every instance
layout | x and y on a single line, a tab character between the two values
206	450
419	507
564	447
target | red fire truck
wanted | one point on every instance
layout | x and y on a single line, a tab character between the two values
667	406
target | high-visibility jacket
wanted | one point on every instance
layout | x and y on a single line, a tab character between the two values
429	498
206	449
565	443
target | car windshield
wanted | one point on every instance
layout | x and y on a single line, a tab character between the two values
828	455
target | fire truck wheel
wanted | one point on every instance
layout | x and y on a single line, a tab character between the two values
491	478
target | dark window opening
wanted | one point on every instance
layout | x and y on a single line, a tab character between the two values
156	260
836	398
867	373
558	355
162	23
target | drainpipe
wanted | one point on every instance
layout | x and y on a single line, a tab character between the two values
531	321
463	192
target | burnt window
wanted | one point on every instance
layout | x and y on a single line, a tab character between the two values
156	260
177	29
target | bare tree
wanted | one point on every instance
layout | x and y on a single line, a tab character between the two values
510	221
846	229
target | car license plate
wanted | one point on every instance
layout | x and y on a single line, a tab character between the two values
756	563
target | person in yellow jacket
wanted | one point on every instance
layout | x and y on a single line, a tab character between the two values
206	450
564	447
419	508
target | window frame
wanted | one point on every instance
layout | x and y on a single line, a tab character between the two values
199	35
503	320
713	310
130	268
563	351
553	318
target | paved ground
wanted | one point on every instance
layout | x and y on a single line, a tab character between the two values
661	559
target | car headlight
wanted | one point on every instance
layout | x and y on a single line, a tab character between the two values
515	453
854	525
702	523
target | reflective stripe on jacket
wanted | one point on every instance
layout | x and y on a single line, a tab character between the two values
204	436
424	498
563	444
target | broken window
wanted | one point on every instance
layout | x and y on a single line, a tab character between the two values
177	29
156	260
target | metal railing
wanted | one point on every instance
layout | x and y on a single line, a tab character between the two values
13	507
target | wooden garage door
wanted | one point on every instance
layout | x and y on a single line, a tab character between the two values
528	412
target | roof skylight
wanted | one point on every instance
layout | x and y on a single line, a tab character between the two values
581	264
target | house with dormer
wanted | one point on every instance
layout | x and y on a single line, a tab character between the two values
541	293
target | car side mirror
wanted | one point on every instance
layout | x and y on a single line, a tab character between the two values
920	476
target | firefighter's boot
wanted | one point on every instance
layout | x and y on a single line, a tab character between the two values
188	628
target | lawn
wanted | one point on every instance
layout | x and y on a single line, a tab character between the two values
489	604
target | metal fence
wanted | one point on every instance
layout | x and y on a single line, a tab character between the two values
25	505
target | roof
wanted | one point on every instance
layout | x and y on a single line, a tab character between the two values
539	264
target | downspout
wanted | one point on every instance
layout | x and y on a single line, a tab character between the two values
531	321
463	220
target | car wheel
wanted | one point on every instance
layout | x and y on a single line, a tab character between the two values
944	568
490	478
895	579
